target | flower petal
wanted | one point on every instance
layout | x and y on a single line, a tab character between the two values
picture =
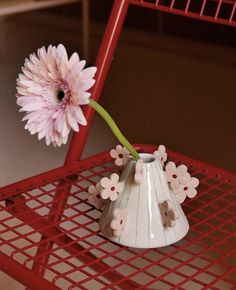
73	59
181	197
113	196
174	184
117	213
194	182
170	167
182	170
119	162
32	107
170	223
105	182
89	72
113	153
118	231
91	189
192	193
119	149
105	193
162	149
138	178
71	120
80	117
114	177
126	151
167	205
115	224
172	214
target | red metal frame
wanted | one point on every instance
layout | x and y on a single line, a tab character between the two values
48	225
198	9
205	258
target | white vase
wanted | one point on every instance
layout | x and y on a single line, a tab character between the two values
143	203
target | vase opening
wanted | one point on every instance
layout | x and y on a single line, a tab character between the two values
147	158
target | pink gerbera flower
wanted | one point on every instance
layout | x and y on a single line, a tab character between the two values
51	90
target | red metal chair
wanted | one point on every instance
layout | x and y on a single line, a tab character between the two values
49	235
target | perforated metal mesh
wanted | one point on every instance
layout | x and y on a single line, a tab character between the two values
81	258
219	11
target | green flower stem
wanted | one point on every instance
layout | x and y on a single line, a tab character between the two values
104	114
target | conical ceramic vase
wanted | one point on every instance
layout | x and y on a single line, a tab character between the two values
154	218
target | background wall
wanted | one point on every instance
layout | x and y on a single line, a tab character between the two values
172	82
179	84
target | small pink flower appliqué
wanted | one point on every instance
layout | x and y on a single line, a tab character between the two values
168	213
119	221
139	172
110	187
121	155
161	154
187	188
95	196
175	175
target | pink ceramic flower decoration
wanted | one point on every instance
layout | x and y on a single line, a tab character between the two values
121	155
110	187
119	221
175	175
187	188
161	154
95	196
139	171
51	90
168	213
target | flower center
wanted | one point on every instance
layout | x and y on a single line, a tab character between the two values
174	176
60	95
185	188
113	188
120	155
121	222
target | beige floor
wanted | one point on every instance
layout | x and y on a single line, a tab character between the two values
171	91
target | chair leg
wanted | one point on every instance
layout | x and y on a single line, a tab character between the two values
24	275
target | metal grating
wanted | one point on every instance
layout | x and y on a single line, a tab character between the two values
82	259
218	11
